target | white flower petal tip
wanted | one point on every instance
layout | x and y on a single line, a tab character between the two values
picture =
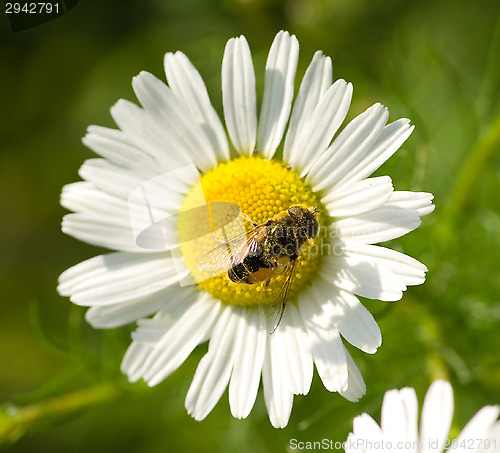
118	149
278	92
362	146
134	359
483	425
399	215
249	350
356	387
315	119
317	80
174	119
358	197
118	278
363	277
418	201
344	311
238	95
400	425
293	351
278	398
214	370
173	335
186	82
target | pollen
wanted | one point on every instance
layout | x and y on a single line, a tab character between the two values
231	200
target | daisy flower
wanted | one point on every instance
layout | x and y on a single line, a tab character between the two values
398	430
172	155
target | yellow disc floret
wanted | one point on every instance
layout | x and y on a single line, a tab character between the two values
260	189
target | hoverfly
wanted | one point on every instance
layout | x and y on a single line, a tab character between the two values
266	251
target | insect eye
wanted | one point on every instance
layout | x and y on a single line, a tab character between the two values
312	228
311	225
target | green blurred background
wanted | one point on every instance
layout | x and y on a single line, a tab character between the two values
435	62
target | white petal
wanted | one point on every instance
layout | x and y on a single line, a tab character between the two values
354	322
492	440
419	201
326	346
295	359
108	316
364	278
322	125
112	233
91	202
105	209
316	81
238	95
348	148
103	231
116	147
142	129
408	269
178	342
278	92
384	223
437	414
388	142
278	397
118	277
356	385
477	431
169	114
90	268
213	372
250	346
410	403
110	177
359	197
367	435
147	336
165	191
364	425
399	419
353	444
134	359
152	330
186	82
85	197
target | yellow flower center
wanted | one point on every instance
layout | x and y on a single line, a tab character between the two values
261	189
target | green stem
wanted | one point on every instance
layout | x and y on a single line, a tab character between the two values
471	171
17	421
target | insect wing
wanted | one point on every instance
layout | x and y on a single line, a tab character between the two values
230	253
282	297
